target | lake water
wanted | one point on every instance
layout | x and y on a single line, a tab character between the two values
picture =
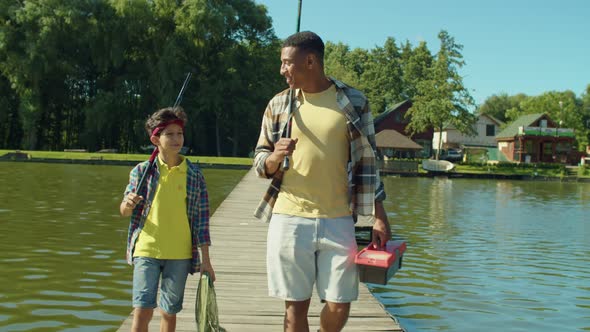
62	245
487	255
482	255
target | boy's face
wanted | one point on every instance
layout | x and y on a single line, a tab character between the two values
171	139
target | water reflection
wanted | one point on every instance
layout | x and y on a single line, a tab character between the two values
488	254
62	243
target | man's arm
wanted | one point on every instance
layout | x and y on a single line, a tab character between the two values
381	228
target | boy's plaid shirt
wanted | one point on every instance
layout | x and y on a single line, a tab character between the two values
364	183
197	203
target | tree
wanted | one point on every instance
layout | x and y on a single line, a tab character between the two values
382	76
442	99
416	65
498	105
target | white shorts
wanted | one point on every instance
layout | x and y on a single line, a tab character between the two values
303	251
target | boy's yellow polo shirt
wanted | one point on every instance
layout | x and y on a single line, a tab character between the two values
166	232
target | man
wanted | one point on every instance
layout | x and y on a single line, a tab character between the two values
332	178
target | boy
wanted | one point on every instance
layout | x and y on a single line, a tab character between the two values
168	227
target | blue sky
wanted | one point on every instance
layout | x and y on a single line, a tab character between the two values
510	46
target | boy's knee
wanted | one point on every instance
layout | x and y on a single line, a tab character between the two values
143	314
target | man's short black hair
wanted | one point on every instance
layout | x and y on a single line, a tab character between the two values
308	42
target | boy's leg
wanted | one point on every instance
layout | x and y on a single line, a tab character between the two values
174	274
141	319
168	323
146	274
337	279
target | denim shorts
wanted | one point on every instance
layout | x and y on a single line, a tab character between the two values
146	277
303	251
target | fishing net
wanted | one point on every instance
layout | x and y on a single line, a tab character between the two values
206	306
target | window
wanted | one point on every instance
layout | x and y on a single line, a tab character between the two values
547	149
490	130
528	147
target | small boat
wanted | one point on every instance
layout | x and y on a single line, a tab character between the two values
442	166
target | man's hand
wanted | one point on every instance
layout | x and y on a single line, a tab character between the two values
284	147
381	228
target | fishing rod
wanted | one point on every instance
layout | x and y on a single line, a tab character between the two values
155	152
291	93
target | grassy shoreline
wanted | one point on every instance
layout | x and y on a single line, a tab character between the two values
125	157
471	170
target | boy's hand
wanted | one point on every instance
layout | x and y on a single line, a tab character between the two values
206	267
129	203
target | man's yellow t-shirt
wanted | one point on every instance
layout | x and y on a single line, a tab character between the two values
316	186
166	233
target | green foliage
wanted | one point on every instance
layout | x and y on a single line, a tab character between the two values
441	99
87	73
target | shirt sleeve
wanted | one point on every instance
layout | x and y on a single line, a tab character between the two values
380	194
264	146
203	211
133	180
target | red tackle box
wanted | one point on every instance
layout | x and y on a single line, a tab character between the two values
379	265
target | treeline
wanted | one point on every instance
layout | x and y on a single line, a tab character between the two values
86	74
565	108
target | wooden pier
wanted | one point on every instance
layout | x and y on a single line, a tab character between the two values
238	255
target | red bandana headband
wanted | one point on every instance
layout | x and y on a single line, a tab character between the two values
162	126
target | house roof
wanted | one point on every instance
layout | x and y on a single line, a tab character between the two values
449	126
393	109
389	138
497	121
524	121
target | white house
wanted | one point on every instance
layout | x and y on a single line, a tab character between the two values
486	127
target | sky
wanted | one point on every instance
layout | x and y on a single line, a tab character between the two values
509	46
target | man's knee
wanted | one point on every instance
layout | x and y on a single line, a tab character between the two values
297	308
340	309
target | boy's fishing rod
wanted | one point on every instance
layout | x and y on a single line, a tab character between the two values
155	152
291	93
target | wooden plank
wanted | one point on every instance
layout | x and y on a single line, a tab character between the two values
238	255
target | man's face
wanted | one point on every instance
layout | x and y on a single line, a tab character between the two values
293	67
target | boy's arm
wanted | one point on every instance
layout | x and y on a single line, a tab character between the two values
203	228
206	262
130	198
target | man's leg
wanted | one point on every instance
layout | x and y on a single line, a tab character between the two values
290	263
334	316
168	323
296	316
141	319
337	279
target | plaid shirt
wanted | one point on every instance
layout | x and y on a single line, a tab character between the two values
365	186
197	207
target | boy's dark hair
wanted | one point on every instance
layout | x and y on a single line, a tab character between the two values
164	115
308	42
